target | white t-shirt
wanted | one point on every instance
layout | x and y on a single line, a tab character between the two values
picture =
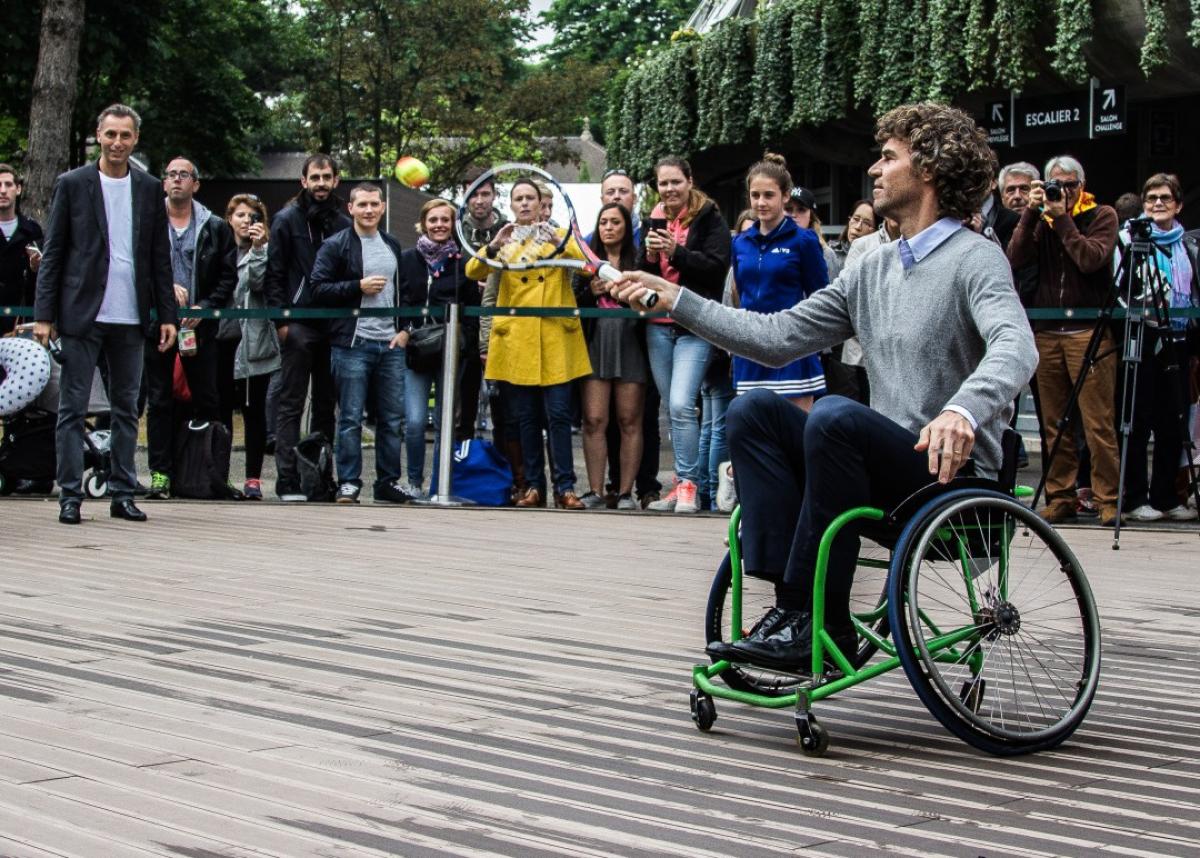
8	227
119	306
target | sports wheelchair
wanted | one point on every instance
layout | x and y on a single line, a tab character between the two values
963	586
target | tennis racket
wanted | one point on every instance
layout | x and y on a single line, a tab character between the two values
546	238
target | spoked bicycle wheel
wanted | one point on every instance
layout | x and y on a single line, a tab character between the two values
867	603
994	622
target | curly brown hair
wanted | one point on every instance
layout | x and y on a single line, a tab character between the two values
945	141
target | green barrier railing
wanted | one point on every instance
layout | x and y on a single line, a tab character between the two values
438	311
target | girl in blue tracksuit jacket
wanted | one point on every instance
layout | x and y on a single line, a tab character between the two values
772	272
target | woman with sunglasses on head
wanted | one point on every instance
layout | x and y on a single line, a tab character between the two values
1162	391
248	352
686	242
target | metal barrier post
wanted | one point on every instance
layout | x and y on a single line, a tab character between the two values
447	393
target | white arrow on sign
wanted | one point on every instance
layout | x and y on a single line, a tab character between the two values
1110	99
997	112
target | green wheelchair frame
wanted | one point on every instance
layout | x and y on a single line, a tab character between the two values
974	529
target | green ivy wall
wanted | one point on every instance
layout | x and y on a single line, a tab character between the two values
801	63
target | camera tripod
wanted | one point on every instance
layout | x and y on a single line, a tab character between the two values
1146	309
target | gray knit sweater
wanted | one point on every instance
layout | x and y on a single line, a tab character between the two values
949	331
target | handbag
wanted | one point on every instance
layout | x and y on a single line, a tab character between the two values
477	473
427	344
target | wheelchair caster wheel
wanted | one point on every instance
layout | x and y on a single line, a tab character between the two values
704	711
972	693
813	738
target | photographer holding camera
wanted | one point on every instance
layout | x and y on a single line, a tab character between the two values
1071	239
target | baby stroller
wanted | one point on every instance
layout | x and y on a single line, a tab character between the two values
29	382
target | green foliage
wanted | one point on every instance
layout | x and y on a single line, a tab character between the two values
1013	24
1154	46
771	107
808	96
869	33
978	39
1194	29
724	72
611	30
1073	34
947	51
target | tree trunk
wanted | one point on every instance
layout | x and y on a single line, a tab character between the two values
53	102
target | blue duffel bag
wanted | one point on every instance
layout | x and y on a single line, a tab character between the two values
478	473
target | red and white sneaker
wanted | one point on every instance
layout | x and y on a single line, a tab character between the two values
685	497
667	504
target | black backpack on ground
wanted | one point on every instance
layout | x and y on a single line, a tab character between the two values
27	449
202	461
314	464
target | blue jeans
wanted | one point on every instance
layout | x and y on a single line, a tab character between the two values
678	360
715	399
365	366
416	414
556	399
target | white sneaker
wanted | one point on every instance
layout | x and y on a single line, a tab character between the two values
591	500
293	498
627	503
667	504
413	491
685	498
726	491
1145	512
1182	513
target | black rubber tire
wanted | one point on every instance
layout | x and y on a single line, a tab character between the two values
1008	597
704	711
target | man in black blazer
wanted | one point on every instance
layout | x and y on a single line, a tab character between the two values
106	264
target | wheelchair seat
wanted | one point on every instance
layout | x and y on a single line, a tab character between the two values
886	531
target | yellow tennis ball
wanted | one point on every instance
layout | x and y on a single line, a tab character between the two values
412	172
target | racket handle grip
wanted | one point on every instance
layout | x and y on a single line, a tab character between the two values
650	300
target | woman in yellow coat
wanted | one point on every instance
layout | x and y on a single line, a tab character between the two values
537	357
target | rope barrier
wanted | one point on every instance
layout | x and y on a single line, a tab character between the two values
437	311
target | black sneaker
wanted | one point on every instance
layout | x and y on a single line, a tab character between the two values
348	493
391	493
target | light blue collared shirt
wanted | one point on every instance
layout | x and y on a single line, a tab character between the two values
913	250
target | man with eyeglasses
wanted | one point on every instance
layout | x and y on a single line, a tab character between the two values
204	275
105	266
1071	239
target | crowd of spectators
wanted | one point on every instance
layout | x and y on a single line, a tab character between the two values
118	244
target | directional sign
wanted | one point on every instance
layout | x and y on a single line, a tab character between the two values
996	121
1108	110
1046	118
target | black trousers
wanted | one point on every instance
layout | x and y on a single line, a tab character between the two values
306	357
121	346
164	415
1162	393
797	472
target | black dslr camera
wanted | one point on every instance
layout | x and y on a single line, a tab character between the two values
1140	228
1053	190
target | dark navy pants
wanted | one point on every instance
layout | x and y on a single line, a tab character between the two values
797	472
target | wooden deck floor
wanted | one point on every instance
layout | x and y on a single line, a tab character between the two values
237	680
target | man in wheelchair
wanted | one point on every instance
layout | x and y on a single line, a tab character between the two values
947	347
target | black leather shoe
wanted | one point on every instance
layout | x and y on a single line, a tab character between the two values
68	513
127	510
765	625
789	647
